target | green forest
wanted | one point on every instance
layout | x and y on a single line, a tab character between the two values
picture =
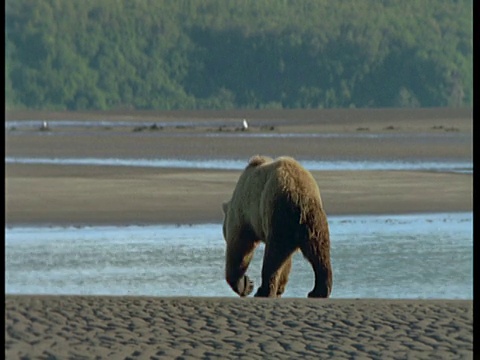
226	54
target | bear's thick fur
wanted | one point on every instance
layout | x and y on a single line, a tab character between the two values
277	202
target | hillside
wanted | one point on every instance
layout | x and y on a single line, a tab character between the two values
217	54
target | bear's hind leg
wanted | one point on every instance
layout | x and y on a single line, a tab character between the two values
274	258
322	269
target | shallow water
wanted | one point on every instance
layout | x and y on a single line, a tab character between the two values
409	256
232	164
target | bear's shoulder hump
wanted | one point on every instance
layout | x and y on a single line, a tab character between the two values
258	160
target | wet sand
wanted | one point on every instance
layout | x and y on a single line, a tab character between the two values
95	195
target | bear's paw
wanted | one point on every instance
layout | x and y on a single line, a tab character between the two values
245	286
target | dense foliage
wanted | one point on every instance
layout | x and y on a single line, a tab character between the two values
186	54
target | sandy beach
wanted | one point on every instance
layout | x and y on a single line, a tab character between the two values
89	327
47	327
93	195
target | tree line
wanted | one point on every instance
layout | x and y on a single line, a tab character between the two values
224	54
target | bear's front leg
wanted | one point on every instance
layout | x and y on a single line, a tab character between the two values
239	255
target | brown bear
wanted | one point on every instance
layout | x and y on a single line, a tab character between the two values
277	202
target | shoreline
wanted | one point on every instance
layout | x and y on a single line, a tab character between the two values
82	225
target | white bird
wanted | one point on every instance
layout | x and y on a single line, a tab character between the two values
44	126
245	124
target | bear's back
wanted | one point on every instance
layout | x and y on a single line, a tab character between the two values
279	190
266	178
